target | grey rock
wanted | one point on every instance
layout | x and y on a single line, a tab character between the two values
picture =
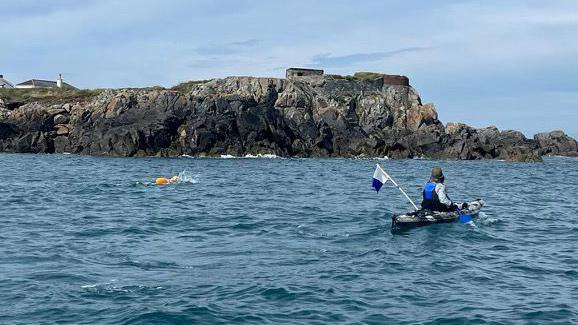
61	119
62	130
56	110
61	144
556	143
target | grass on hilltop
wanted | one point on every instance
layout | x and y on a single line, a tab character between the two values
51	96
47	96
187	86
370	76
363	76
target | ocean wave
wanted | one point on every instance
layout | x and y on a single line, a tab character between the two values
364	157
113	287
251	156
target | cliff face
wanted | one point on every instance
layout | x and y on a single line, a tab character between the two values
304	117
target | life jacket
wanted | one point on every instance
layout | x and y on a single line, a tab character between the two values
431	201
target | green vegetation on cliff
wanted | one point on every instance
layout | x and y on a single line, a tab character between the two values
367	75
187	86
362	76
47	96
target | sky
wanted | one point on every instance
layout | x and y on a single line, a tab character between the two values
512	64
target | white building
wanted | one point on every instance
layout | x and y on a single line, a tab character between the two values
37	83
5	83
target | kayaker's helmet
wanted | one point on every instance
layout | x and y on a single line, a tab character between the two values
437	175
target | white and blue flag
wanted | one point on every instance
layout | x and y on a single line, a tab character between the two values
379	178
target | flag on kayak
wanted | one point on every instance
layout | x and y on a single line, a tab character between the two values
379	178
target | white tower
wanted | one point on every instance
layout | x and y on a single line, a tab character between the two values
59	81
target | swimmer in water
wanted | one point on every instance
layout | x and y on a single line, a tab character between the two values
165	181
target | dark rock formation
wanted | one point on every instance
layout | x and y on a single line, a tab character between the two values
556	143
310	116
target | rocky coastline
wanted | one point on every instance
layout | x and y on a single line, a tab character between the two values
310	116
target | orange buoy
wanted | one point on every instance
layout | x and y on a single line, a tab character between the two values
162	181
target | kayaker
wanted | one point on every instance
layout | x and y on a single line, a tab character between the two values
435	197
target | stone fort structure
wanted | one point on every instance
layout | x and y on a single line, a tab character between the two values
387	79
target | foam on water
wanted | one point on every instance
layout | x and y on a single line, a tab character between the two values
484	219
187	176
251	156
266	156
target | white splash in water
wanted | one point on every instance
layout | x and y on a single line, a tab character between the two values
485	220
88	286
251	156
266	155
188	177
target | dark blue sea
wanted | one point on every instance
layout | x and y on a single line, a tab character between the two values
88	240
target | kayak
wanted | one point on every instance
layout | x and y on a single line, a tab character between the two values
427	217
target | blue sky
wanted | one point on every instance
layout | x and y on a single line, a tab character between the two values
513	64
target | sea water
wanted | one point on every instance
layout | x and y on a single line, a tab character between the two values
89	240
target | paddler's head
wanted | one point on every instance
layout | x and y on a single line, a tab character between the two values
437	175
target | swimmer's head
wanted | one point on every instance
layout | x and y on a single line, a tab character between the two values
174	179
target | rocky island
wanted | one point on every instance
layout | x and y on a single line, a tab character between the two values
307	114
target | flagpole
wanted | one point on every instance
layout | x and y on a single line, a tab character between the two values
399	188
